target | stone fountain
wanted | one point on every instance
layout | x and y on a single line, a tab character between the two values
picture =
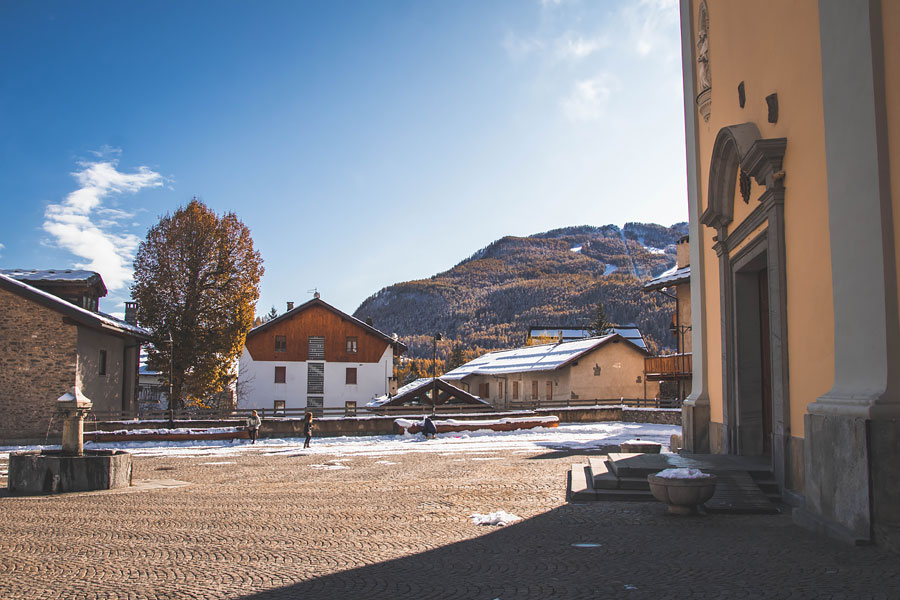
71	468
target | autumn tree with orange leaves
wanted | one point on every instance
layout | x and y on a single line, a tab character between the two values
196	277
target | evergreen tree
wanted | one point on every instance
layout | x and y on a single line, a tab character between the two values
272	314
600	324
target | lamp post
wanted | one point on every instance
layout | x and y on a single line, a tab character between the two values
171	343
437	338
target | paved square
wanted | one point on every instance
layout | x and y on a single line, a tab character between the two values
273	524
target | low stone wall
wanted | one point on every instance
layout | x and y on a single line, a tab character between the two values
384	425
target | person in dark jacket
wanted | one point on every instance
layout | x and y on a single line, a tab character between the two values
428	428
253	424
307	428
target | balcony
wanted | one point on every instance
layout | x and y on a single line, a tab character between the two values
672	366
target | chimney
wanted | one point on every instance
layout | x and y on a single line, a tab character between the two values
131	313
290	306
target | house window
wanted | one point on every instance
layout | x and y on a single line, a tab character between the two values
515	390
351	376
316	347
534	390
549	390
102	363
279	408
315	378
280	374
280	343
500	389
351	345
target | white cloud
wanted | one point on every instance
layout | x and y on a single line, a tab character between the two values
2	247
84	227
588	98
651	23
518	47
577	47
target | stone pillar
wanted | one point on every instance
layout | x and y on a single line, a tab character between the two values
695	414
852	452
72	406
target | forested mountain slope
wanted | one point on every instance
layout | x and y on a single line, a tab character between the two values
490	299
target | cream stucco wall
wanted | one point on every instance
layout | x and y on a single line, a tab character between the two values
748	42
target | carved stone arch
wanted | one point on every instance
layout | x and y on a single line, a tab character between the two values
740	147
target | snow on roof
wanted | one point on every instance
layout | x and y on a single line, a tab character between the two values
409	387
669	278
629	332
546	357
49	274
81	314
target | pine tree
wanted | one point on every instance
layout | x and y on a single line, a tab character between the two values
600	324
272	314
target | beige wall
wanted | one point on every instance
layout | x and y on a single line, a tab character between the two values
749	42
620	374
105	391
683	292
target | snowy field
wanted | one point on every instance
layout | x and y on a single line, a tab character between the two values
568	437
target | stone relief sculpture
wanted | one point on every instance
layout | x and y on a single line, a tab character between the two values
704	74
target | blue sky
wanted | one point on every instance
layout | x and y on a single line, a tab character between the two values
364	143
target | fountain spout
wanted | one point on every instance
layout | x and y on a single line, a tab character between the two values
72	406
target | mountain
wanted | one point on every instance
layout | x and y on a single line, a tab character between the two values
555	278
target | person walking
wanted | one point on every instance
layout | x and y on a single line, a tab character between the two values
307	428
428	428
253	424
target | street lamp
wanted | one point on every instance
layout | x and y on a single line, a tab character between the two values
437	338
171	343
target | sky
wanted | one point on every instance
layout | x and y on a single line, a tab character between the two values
363	143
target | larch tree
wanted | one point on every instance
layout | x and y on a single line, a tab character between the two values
196	278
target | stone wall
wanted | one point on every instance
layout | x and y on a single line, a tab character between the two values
37	365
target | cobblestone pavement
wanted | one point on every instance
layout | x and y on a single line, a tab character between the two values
267	527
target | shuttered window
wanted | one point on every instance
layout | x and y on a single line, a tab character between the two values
534	390
351	376
280	374
500	389
549	390
316	347
315	378
314	405
515	390
484	390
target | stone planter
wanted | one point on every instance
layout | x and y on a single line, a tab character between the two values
682	495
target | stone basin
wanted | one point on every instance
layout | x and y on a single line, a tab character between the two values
640	447
683	496
55	472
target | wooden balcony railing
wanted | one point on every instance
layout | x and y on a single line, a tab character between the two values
672	366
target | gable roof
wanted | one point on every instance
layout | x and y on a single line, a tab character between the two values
398	345
546	357
416	390
94	320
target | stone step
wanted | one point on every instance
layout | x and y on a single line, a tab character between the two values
604	478
579	486
580	489
737	492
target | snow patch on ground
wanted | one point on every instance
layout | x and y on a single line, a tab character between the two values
575	249
610	269
500	518
328	467
567	436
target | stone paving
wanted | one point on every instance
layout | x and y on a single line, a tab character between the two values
267	527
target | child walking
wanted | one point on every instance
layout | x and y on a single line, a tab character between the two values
307	428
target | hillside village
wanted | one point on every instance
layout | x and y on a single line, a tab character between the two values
707	409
